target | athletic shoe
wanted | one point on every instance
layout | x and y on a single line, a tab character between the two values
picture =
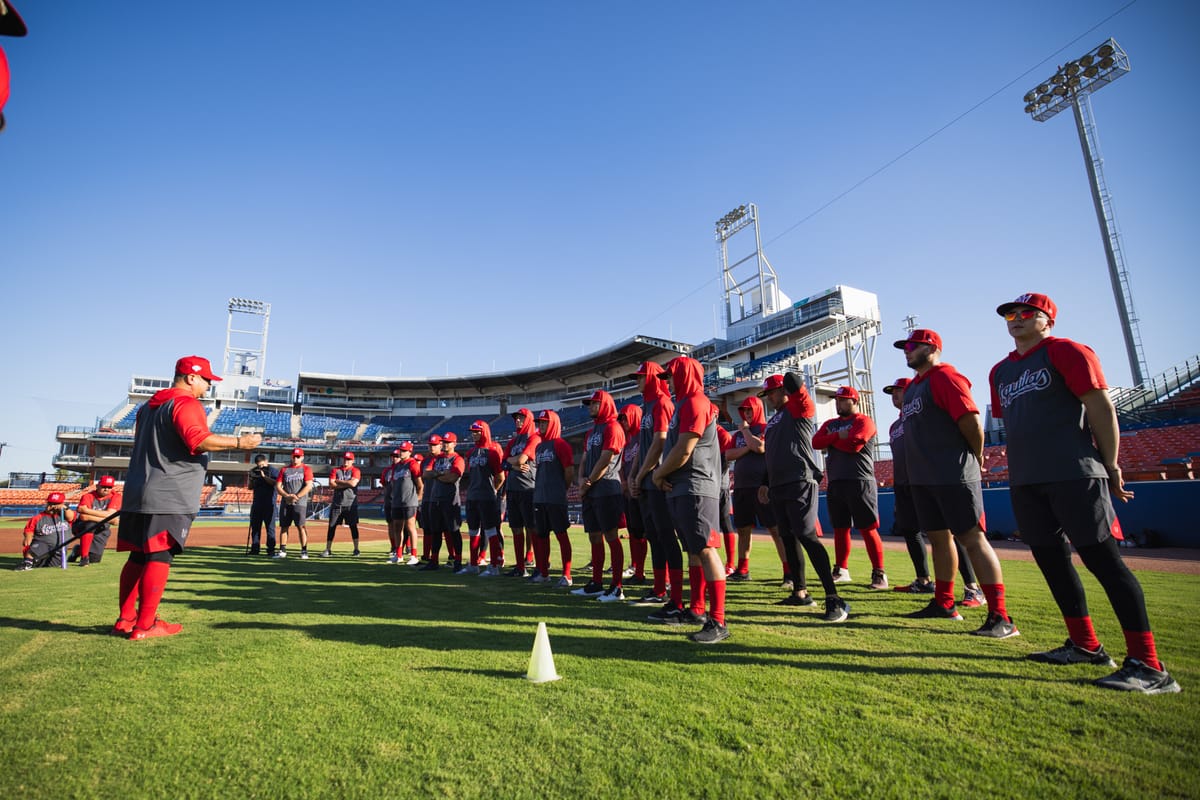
669	614
797	600
591	589
304	555
841	575
563	583
489	572
430	567
24	566
692	618
326	554
836	610
935	610
636	580
786	583
1071	653
711	633
516	572
627	573
614	595
916	587
355	552
281	554
270	554
393	559
470	569
1134	676
728	570
652	599
122	627
878	579
973	598
412	561
538	577
738	576
997	627
159	628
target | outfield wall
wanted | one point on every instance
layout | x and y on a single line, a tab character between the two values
1165	507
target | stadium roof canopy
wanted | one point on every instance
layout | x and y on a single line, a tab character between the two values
612	363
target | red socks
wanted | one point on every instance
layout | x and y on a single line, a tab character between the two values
675	574
874	546
697	584
85	545
127	596
1082	633
994	592
150	587
717	591
519	547
841	547
660	580
1140	645
730	551
943	593
637	556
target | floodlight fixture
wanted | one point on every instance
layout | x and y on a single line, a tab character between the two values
1071	86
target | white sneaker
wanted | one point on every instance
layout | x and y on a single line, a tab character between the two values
841	575
489	572
613	595
326	554
538	577
628	573
304	556
412	561
470	569
563	583
281	554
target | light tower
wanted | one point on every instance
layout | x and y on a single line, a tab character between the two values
1072	85
757	290
246	348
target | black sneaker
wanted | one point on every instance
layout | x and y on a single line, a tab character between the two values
651	599
635	580
797	600
997	627
430	567
1071	653
738	576
1135	676
711	633
669	614
935	610
355	552
836	610
516	572
692	618
590	589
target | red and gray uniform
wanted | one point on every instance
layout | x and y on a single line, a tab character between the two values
750	472
292	479
443	493
937	454
402	484
905	515
695	487
385	478
101	532
1037	395
553	456
345	496
525	441
851	495
787	441
606	434
48	532
483	465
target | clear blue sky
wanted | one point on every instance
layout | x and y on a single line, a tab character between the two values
462	187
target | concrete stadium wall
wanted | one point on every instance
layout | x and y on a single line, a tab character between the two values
1164	507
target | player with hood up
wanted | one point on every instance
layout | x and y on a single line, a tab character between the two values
631	422
431	522
518	486
690	474
555	472
485	476
749	469
600	488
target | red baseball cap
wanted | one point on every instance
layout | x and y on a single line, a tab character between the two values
772	383
195	365
1039	301
849	392
106	482
654	371
405	446
347	455
543	416
435	439
449	436
477	426
298	452
921	336
901	383
55	499
596	397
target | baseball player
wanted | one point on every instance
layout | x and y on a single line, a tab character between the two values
404	489
1063	443
45	533
749	470
943	454
485	476
851	494
600	488
344	506
162	492
521	467
555	472
630	418
445	474
294	486
90	526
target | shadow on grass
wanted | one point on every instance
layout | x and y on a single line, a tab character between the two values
54	627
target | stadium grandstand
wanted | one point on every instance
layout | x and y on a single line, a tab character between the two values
829	337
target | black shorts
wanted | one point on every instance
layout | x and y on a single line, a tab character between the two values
340	514
853	504
550	518
401	513
1080	509
904	517
153	533
748	512
602	514
656	517
957	507
696	522
445	517
520	509
633	518
292	513
483	515
795	508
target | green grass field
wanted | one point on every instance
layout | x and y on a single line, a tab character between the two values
352	678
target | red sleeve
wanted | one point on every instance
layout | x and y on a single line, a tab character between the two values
495	459
531	449
1078	364
613	438
695	414
31	526
280	478
190	421
857	435
661	418
414	468
952	393
355	473
308	476
566	455
800	404
86	501
724	439
114	504
457	465
997	408
823	438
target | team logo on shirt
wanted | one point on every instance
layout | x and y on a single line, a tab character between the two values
545	455
479	459
775	418
915	407
1030	381
897	432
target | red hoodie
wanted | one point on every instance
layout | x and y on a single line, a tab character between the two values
606	434
523	443
483	464
629	456
696	414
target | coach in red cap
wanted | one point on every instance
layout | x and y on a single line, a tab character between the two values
45	533
944	456
344	506
442	477
294	486
1063	444
162	492
93	519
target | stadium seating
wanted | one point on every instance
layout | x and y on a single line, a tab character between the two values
406	427
315	426
126	422
275	424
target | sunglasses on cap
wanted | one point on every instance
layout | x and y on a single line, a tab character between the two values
910	346
1024	313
